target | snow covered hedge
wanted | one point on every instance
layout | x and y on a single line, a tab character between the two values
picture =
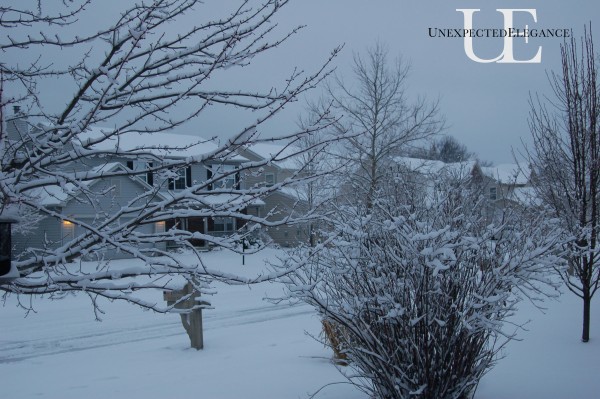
419	296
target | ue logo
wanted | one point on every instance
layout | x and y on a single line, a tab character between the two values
507	55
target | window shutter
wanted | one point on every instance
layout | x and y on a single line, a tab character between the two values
188	176
130	164
150	175
209	176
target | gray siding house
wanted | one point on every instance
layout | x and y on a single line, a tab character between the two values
286	202
94	202
74	203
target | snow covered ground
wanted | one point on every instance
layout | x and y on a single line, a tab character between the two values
253	349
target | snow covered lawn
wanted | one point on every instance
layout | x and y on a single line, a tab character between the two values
253	349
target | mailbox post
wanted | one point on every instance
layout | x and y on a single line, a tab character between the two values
192	321
7	271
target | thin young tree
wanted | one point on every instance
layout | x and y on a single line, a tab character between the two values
566	160
321	164
375	109
157	65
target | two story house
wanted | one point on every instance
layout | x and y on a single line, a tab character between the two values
285	202
134	164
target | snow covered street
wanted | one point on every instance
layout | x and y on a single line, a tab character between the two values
253	349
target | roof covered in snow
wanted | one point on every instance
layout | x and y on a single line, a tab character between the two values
56	195
504	173
162	144
424	166
284	154
508	173
431	167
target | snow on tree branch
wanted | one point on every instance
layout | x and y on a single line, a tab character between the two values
99	174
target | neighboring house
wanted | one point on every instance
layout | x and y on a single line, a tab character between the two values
285	202
133	151
73	202
420	176
505	182
503	185
284	166
279	205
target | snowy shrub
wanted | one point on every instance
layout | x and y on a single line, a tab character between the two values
418	299
332	332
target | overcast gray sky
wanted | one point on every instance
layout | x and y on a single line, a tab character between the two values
486	105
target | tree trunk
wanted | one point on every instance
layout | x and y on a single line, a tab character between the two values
587	304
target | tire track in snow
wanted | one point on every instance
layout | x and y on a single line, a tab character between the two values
21	350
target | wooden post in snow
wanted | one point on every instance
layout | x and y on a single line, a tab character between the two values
192	321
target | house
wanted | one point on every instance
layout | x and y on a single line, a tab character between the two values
223	192
134	166
285	202
418	178
498	182
70	203
503	186
505	182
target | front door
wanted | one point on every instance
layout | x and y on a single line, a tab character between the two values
196	225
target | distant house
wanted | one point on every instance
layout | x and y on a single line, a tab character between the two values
506	182
420	175
129	153
285	202
503	185
284	166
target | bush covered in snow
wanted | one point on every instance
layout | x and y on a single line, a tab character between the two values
418	296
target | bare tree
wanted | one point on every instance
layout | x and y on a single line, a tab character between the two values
566	159
416	303
321	164
144	74
448	149
379	117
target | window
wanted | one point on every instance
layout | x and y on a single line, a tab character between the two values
183	179
270	179
209	176
160	227
231	180
148	177
178	183
68	230
493	193
224	224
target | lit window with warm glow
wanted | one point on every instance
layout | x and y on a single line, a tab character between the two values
68	229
